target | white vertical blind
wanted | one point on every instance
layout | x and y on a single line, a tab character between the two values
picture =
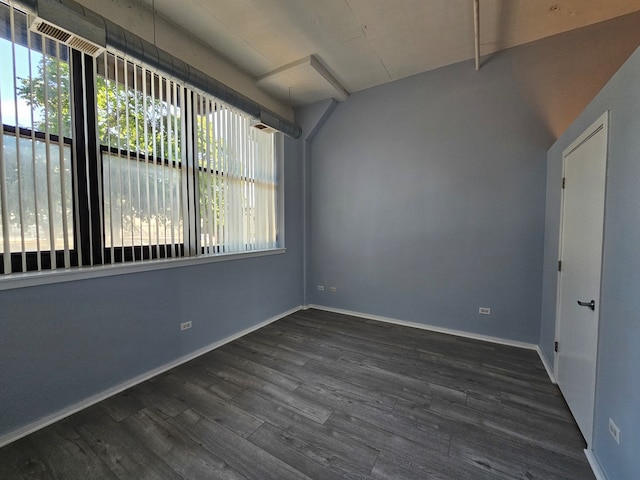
35	148
140	124
237	180
4	200
64	201
179	173
18	169
33	152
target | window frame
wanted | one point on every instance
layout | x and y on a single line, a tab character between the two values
29	260
30	257
132	253
88	228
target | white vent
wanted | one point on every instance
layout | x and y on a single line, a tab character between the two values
48	30
261	126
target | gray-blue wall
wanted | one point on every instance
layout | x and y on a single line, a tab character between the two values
618	373
427	194
62	343
425	201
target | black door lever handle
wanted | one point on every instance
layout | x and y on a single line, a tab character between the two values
591	304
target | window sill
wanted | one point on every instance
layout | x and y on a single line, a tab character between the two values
32	279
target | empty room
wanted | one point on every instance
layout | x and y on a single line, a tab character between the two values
334	239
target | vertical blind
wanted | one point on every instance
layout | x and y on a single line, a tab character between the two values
236	180
140	126
146	121
140	167
36	202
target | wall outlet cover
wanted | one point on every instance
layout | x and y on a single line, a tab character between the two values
614	431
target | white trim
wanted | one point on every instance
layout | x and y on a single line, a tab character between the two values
595	465
87	402
432	328
601	123
448	331
278	153
32	279
547	365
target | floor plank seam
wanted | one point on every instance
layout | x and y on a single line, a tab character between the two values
321	396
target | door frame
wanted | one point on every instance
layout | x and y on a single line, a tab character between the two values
602	123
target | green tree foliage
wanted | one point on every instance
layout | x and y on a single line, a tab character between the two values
49	94
128	120
145	127
32	170
28	181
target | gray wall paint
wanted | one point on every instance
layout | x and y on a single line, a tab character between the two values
427	202
618	374
62	343
312	120
467	151
427	194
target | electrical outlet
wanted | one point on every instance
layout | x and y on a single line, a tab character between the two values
333	289
614	431
321	288
185	326
484	311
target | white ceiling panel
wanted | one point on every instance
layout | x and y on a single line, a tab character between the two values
313	83
364	43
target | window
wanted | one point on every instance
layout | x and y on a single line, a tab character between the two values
140	133
104	161
236	180
36	200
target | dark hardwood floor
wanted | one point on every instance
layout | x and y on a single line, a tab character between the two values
323	396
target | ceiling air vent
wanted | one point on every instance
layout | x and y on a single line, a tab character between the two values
48	30
261	126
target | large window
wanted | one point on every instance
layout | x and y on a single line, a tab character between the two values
36	199
140	130
236	180
104	160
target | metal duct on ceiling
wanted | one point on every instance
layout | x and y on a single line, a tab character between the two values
83	22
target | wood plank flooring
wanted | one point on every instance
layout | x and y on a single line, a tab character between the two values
323	396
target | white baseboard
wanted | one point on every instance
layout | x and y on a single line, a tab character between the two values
61	414
459	333
432	328
87	402
547	365
595	465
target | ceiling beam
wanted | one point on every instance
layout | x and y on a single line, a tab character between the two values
304	81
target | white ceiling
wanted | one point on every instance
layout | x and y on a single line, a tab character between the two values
289	46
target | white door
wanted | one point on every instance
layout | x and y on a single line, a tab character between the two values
581	240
